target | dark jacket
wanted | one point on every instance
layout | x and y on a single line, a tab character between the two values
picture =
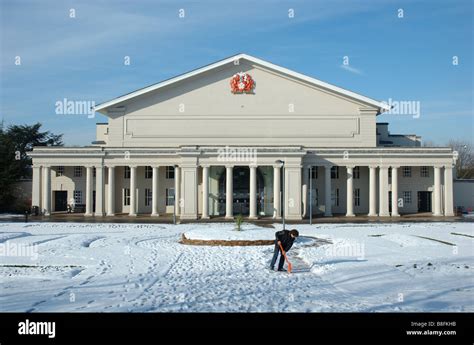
285	238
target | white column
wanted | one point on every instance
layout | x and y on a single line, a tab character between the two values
47	190
88	191
383	192
177	190
189	191
133	191
327	191
36	190
155	191
292	195
395	191
306	171
205	192
437	191
276	192
350	192
99	191
253	193
111	192
448	191
372	191
229	190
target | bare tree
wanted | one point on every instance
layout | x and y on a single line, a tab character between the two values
465	160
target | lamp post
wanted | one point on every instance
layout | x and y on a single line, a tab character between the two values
279	161
311	195
174	198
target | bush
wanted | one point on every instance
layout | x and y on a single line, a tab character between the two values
238	222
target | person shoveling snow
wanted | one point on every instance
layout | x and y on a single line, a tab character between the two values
283	241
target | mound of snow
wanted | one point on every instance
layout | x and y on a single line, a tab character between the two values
228	232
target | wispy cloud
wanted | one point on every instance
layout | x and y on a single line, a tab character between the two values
352	69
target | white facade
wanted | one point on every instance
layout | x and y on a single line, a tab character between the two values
219	152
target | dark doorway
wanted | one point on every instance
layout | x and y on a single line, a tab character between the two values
241	188
390	201
60	201
424	201
93	201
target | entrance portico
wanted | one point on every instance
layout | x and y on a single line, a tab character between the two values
208	188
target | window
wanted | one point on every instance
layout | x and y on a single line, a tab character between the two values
356	172
169	172
59	171
407	197
406	171
314	173
126	172
335	172
357	197
424	172
77	197
126	197
77	171
148	197
169	196
335	197
148	172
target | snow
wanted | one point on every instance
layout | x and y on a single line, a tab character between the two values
11	215
228	232
142	267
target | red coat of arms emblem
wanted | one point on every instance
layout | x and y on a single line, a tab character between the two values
242	83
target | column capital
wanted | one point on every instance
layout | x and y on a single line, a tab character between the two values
110	166
373	166
383	167
277	166
155	166
133	166
350	166
227	166
448	166
395	166
253	166
438	166
99	166
205	166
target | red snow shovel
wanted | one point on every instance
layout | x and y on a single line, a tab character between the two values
286	258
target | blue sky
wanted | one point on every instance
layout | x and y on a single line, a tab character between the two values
82	58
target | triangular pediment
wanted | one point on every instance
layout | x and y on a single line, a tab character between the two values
272	82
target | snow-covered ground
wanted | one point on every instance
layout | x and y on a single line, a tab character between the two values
142	267
229	232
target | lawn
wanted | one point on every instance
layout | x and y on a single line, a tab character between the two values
143	268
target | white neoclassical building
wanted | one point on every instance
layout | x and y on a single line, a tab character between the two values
244	136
